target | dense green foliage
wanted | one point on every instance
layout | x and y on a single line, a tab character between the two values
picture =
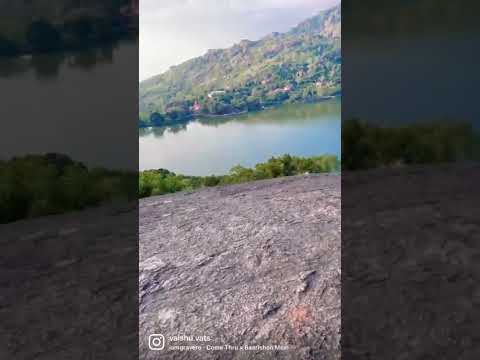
43	36
370	146
37	185
406	18
45	26
301	65
7	47
159	182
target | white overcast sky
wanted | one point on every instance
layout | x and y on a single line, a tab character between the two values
172	31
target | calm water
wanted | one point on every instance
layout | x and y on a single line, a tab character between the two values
81	104
427	78
214	146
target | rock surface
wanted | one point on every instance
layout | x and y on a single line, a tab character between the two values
410	256
65	282
254	264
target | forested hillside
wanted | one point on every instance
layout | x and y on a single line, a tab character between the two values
303	64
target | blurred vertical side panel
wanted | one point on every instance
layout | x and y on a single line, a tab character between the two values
68	179
410	195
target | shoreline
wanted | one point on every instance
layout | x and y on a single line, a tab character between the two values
213	116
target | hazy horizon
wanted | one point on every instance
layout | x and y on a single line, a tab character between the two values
178	30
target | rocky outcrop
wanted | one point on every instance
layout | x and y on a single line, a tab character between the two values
68	286
248	271
410	274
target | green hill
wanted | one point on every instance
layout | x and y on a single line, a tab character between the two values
303	64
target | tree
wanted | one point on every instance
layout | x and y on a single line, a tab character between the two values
82	30
7	47
288	166
157	119
42	36
212	180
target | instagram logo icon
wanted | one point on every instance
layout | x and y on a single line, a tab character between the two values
156	342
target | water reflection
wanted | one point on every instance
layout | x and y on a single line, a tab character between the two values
80	103
47	66
215	145
416	62
401	19
160	131
278	116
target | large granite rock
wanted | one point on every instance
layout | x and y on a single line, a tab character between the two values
410	256
254	266
68	286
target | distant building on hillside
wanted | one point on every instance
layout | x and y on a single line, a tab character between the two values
285	89
215	93
196	107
